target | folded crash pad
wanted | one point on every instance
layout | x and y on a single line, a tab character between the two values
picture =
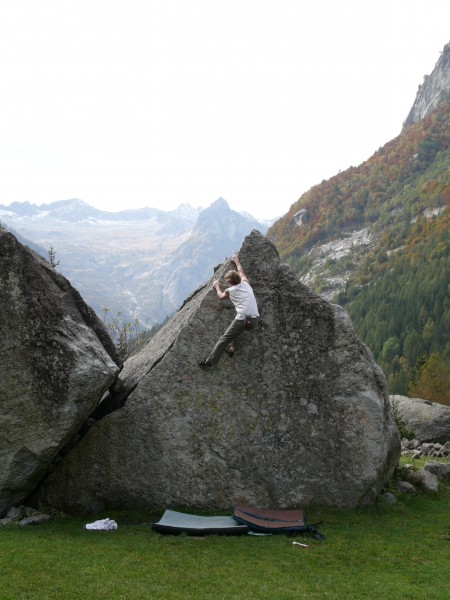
273	521
272	515
176	523
266	526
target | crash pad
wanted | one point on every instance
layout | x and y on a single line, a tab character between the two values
176	522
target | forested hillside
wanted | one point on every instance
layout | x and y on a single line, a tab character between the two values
396	289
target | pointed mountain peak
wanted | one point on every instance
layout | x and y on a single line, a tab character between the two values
220	204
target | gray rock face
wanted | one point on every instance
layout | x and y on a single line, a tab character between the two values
434	91
429	421
56	363
301	217
300	415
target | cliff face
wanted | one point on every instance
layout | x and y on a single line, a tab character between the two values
300	415
56	361
434	91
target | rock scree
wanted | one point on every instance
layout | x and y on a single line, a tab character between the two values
299	415
56	363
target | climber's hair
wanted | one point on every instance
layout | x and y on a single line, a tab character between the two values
232	277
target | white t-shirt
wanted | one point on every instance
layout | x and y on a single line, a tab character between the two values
244	300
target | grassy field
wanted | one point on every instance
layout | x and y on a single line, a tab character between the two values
397	552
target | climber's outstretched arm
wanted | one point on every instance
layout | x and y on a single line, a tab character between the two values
239	268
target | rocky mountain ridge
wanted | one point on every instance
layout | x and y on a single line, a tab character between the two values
75	210
434	91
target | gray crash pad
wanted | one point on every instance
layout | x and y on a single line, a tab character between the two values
177	522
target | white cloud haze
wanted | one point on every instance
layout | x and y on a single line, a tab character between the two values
133	103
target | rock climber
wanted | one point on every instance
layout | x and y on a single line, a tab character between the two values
247	316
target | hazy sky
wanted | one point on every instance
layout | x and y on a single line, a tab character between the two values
133	103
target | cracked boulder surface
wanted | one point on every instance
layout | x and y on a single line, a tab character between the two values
299	415
56	362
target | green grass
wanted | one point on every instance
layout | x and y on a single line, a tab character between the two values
397	552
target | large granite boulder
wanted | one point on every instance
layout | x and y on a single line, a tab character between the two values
429	421
56	363
300	415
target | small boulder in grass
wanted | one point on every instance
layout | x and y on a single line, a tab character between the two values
389	498
426	480
441	470
16	512
23	516
34	520
430	421
404	487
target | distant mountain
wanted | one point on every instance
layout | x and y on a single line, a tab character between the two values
139	263
375	238
76	212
